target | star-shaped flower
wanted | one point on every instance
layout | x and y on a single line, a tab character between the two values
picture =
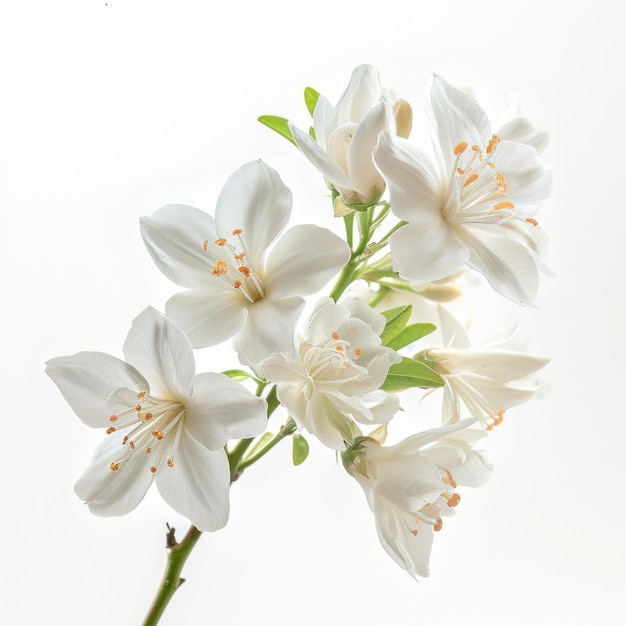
163	423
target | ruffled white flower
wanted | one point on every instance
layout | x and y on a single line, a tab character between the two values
485	380
337	374
411	487
473	207
237	284
345	136
162	420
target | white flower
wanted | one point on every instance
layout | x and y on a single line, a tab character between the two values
238	287
337	376
345	136
487	380
411	486
474	207
163	422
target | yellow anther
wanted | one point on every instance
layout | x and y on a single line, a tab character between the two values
153	469
220	268
438	525
131	445
241	257
158	434
245	270
170	462
110	429
335	335
147	417
478	151
414	532
357	351
530	220
237	231
148	450
471	179
503	205
138	407
493	142
113	418
220	242
114	466
460	171
205	245
498	420
453	500
237	284
404	118
339	347
141	394
449	480
125	440
501	182
460	147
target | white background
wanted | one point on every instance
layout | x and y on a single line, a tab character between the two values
110	110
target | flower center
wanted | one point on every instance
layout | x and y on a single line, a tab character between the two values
157	430
476	190
431	513
230	268
332	360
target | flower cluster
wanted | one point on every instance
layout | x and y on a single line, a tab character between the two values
468	208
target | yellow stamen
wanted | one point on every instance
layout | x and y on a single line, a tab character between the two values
153	469
453	500
237	231
148	450
478	151
110	429
439	525
460	148
170	462
503	205
220	242
493	142
335	335
245	270
113	418
357	351
205	245
473	178
220	268
530	220
114	466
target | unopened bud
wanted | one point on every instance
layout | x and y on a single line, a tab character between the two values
404	118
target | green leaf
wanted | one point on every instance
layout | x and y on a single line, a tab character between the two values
396	321
279	124
299	449
411	373
411	333
240	375
260	443
310	98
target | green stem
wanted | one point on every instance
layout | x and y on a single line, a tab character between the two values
288	429
171	578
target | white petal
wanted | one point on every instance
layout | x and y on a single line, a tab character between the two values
321	121
361	169
522	130
160	349
87	379
197	485
427	252
269	328
509	266
305	258
360	310
174	236
255	200
412	179
278	369
457	117
110	493
207	318
320	159
361	95
222	409
295	396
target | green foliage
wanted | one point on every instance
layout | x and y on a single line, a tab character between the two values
299	449
278	124
396	321
411	373
310	98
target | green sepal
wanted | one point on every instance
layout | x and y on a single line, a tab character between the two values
310	99
396	321
411	373
411	333
260	443
299	449
279	124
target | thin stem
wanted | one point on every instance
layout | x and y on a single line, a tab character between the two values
288	429
171	578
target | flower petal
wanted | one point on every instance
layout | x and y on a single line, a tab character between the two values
412	180
457	117
222	409
111	493
161	350
269	328
174	236
197	485
305	258
426	252
256	201
320	159
206	317
87	379
361	95
522	130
